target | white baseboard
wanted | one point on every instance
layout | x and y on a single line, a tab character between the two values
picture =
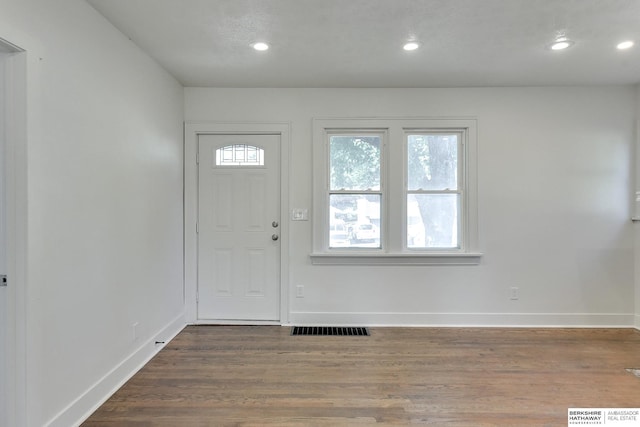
80	409
636	323
237	322
575	320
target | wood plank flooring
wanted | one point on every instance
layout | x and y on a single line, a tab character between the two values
260	375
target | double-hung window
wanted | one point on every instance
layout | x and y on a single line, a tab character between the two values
395	191
434	194
355	189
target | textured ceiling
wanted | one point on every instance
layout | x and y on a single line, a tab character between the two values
358	43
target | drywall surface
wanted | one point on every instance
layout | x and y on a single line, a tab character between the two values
555	178
104	220
3	263
636	212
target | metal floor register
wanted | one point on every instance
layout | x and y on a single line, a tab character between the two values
329	331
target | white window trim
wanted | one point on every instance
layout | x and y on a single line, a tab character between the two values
394	251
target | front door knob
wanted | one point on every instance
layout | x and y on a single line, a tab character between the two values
274	237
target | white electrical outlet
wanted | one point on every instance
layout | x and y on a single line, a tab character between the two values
514	293
300	291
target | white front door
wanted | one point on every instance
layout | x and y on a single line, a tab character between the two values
238	227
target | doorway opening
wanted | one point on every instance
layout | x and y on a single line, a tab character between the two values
236	230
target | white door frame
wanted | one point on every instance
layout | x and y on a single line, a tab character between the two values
14	138
191	133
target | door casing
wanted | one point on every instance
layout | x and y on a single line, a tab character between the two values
192	131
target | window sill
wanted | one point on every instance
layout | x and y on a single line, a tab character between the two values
361	258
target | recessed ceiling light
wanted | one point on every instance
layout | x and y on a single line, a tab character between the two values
411	46
625	45
561	43
261	46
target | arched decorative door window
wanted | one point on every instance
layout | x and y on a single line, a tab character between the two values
240	155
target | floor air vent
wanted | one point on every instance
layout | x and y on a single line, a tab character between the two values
329	331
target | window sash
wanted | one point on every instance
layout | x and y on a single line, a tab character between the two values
420	237
437	133
357	137
355	220
458	234
364	214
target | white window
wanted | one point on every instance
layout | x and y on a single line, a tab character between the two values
395	191
434	195
355	188
239	155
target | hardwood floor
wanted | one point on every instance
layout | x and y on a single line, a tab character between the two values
260	375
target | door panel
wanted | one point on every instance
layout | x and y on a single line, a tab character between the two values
238	244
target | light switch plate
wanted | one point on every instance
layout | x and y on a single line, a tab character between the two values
300	214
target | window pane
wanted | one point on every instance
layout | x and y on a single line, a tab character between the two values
239	152
432	221
354	162
432	162
354	220
240	155
227	154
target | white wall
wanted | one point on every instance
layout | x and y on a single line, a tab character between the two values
636	213
104	199
3	238
555	185
3	266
